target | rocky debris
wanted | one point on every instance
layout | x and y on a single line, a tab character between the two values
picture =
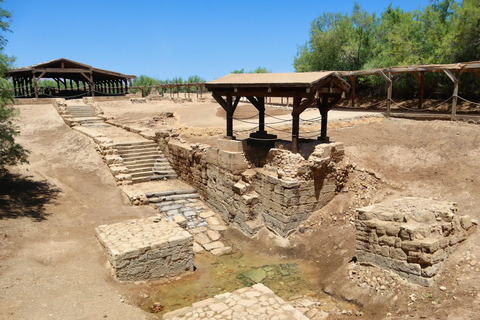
138	100
377	282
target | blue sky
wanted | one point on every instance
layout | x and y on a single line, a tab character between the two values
164	39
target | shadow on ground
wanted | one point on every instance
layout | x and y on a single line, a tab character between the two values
20	196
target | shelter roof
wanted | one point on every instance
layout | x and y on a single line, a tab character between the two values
265	80
471	66
62	66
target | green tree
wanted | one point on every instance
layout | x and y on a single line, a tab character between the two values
338	42
239	71
256	70
11	153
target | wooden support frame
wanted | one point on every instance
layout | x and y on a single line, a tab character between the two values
455	78
259	104
352	81
229	106
389	81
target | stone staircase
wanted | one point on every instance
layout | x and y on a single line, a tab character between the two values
181	206
144	161
81	111
187	209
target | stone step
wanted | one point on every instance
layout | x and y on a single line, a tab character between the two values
82	114
142	157
139	162
135	151
140	147
138	170
173	197
161	177
141	179
141	174
133	144
163	172
169	193
139	166
161	167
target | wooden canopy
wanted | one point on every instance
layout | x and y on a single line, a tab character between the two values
88	80
323	90
453	71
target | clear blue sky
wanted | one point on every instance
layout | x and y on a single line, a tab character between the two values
164	39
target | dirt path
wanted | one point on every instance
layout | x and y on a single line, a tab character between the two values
52	266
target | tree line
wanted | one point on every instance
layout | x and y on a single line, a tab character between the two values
148	82
442	32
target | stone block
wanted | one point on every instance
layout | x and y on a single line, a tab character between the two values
410	236
212	156
230	145
143	249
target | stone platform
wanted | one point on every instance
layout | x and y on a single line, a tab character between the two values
255	303
410	236
144	249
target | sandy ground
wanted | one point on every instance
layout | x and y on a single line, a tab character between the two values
52	267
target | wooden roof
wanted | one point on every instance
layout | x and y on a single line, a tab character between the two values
472	66
60	68
277	84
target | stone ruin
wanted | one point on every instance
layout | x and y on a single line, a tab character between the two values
146	249
410	236
280	195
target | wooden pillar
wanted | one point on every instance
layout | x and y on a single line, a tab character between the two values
35	87
390	86
352	81
230	118
92	88
454	78
229	106
455	95
323	106
261	115
420	95
389	94
295	124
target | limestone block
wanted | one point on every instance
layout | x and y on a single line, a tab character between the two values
212	156
232	161
230	145
240	188
113	159
144	249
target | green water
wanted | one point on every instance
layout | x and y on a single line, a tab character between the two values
216	275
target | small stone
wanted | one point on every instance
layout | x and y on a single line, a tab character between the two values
442	288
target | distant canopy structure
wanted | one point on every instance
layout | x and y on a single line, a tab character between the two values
322	90
73	79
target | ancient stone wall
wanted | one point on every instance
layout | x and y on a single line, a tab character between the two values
410	236
279	196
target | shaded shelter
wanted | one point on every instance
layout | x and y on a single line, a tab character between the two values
322	90
73	79
453	71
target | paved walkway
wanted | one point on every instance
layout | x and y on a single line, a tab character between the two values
250	303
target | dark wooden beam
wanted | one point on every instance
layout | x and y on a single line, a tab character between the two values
477	74
295	124
260	105
352	81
